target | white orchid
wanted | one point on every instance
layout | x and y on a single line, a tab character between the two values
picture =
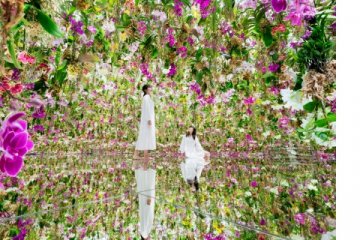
293	99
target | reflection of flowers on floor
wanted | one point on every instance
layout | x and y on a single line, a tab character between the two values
93	198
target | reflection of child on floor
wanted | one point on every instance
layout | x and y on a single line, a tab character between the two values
195	157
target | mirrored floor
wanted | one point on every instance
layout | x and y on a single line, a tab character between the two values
96	196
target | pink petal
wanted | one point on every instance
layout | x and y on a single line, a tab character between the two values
2	163
19	141
7	139
20	125
13	167
22	151
15	116
29	145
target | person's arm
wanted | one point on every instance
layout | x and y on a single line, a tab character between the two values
147	109
198	146
182	146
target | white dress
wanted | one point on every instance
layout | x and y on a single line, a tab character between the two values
146	139
194	154
145	187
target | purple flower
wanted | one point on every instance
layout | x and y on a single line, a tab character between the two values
14	143
144	68
278	5
172	70
76	26
195	87
262	222
283	122
38	128
274	90
182	51
15	74
190	41
253	184
249	101
178	7
307	34
39	113
274	67
170	37
300	10
141	27
204	7
300	218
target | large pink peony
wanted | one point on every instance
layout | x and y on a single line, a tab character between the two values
14	143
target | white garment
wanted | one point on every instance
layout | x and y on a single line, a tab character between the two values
194	162
146	139
145	186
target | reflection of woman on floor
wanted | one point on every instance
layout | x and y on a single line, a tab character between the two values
145	186
195	157
146	140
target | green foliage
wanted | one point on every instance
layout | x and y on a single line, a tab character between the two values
317	49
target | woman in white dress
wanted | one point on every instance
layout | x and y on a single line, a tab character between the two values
146	140
195	157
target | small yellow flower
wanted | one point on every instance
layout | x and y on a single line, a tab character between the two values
258	101
123	36
195	12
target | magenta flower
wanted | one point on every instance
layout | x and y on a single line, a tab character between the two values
178	7
204	7
39	113
144	68
172	70
141	27
274	90
284	122
195	87
253	184
170	37
26	58
249	138
14	143
262	222
279	5
76	26
38	128
182	51
190	41
300	10
300	218
249	101
274	67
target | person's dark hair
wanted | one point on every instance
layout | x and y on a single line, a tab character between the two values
193	132
145	87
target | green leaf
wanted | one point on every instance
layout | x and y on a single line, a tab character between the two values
321	122
310	106
11	48
267	37
125	20
155	53
331	117
48	24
